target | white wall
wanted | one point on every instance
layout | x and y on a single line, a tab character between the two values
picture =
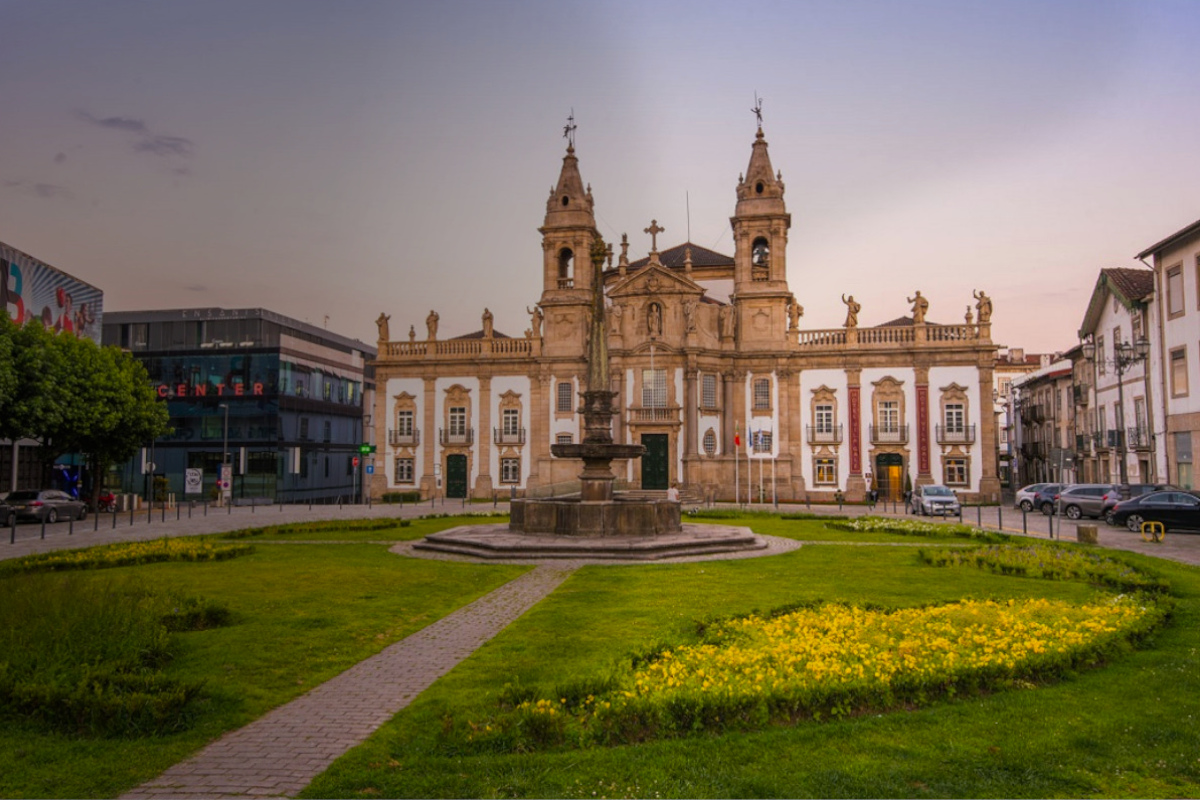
439	422
518	384
415	387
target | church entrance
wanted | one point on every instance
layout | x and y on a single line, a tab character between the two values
456	476
889	476
655	474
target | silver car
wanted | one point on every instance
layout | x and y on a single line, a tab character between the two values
1025	495
934	500
1083	499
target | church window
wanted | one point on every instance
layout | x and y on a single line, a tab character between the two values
404	470
566	201
708	391
760	252
825	471
565	395
758	188
654	388
510	470
566	267
762	394
956	472
563	438
710	443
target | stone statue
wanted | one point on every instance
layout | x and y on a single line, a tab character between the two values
487	324
920	306
984	307
615	312
382	322
535	322
431	323
689	315
970	319
412	333
852	309
654	319
795	311
726	321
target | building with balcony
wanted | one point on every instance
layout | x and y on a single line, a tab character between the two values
1045	424
710	367
284	399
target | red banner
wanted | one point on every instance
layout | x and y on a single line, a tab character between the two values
855	393
923	430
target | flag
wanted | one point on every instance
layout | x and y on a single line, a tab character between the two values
737	435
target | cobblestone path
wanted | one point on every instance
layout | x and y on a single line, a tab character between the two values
281	752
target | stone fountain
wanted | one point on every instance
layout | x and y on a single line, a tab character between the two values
597	523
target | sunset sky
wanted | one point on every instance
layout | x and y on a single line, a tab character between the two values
345	158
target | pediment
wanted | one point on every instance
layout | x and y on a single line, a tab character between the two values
655	279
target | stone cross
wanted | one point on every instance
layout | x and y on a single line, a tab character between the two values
654	230
569	130
757	109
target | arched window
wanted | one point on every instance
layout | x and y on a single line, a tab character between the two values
760	253
710	442
566	268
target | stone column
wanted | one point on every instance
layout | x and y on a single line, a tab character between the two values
989	482
429	439
791	432
727	417
383	449
737	405
537	447
856	485
690	406
483	484
921	420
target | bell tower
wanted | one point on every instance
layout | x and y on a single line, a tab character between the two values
568	233
760	232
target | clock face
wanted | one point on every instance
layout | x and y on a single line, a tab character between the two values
760	255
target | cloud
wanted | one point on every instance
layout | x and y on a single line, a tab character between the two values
46	190
60	158
195	288
145	140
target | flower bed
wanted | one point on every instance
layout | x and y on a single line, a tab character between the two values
825	661
912	527
1052	563
125	554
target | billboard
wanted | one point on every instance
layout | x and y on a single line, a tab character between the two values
30	289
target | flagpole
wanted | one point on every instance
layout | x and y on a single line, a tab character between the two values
774	458
737	485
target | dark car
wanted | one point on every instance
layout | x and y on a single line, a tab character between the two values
1128	491
1043	498
50	505
1084	499
8	517
1175	510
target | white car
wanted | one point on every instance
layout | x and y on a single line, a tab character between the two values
934	500
1025	496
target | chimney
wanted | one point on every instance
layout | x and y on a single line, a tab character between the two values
1016	355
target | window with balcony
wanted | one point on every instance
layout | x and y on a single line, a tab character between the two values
955	418
404	423
654	388
823	415
889	416
511	422
458	421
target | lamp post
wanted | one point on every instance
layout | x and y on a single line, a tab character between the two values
224	448
1125	356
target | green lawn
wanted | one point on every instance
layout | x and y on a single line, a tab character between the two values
302	614
1131	728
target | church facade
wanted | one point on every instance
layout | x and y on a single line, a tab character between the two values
731	398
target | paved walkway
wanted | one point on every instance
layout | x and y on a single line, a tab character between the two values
279	754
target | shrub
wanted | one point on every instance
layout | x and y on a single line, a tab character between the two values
126	554
909	527
1052	563
401	497
323	526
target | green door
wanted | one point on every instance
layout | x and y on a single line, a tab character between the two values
654	462
456	476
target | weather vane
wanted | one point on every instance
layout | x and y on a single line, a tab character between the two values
757	108
569	130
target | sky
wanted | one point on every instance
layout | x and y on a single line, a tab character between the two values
333	160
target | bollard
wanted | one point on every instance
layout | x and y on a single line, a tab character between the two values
131	511
71	527
251	505
190	504
310	503
206	506
229	507
164	512
178	512
1024	521
114	519
1000	516
96	524
149	512
12	534
978	516
43	527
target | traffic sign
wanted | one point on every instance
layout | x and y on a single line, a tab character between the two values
366	448
370	469
355	461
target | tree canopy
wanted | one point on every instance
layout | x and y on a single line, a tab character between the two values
71	395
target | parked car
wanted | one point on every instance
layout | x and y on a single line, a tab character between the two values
8	516
934	499
1084	499
1025	496
50	505
1043	498
1174	509
1131	490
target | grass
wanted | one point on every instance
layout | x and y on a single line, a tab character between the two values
1131	728
362	530
299	615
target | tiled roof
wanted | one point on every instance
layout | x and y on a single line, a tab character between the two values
674	258
1135	284
1170	240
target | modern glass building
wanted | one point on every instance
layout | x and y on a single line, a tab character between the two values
282	399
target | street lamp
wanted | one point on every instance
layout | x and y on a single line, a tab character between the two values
225	441
1125	356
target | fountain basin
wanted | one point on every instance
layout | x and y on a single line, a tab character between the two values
573	516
